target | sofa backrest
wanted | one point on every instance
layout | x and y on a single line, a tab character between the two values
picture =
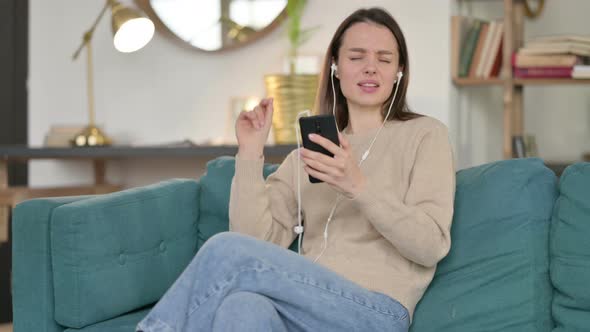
214	201
496	276
570	251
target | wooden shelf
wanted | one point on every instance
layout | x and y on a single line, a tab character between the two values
464	81
21	152
550	81
519	81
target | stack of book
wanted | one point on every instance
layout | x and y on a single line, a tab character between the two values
476	47
553	57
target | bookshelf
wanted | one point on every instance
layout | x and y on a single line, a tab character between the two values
519	81
512	39
477	81
550	81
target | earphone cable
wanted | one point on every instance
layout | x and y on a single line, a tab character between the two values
363	158
299	229
365	155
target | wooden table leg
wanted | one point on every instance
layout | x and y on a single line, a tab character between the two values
99	171
4	209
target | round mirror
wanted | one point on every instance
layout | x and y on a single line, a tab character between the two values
215	25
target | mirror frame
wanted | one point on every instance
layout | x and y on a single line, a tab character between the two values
161	27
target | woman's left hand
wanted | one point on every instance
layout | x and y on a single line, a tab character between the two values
341	171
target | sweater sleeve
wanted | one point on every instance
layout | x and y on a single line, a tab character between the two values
267	209
419	224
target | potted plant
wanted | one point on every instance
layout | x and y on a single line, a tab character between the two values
292	92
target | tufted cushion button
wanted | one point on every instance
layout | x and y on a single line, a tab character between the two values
162	246
122	259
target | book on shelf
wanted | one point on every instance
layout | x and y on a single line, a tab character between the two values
61	135
557	60
468	47
562	38
581	71
524	146
543	72
476	62
459	29
476	47
487	61
518	147
556	49
576	45
493	60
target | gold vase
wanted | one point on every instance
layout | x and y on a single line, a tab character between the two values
292	94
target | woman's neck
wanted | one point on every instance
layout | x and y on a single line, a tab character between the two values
361	120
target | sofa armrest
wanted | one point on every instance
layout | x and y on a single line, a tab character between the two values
32	277
118	252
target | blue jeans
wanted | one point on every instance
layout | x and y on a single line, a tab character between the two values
238	283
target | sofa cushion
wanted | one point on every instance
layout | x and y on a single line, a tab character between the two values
215	189
124	323
496	276
118	252
570	250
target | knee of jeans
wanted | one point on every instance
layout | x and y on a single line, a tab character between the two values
246	311
246	304
227	246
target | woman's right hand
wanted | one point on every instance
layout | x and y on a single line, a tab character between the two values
252	128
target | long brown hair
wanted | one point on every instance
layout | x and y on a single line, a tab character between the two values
324	99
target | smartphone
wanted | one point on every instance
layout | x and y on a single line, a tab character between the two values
323	125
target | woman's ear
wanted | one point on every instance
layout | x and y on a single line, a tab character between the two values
399	74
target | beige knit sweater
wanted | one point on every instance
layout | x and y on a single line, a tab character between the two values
391	236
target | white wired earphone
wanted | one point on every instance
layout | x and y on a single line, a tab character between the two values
299	228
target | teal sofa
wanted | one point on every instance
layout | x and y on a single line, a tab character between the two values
520	258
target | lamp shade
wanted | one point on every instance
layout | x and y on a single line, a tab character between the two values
131	30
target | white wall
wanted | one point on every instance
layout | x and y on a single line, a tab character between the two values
558	116
167	93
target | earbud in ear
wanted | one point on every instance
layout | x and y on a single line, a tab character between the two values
399	77
334	68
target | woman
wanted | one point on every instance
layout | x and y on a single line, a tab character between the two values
389	227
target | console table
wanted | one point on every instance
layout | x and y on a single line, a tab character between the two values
12	195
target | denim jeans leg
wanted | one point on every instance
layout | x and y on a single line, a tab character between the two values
247	311
306	296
